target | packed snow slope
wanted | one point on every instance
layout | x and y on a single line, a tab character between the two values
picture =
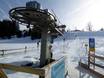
72	47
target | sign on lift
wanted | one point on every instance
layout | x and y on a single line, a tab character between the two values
92	44
58	69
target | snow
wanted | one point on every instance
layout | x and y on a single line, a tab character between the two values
73	48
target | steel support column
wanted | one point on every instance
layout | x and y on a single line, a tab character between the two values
44	47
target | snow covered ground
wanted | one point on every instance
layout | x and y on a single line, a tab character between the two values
73	48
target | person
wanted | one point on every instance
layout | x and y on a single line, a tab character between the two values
50	59
50	50
38	44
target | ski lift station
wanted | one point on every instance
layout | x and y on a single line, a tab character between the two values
41	19
46	23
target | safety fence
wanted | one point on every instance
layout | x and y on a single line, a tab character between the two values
95	63
16	50
97	57
94	66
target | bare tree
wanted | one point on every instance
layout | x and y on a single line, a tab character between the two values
89	26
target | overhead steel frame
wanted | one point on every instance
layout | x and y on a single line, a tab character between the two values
41	19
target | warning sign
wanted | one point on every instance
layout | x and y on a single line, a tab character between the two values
92	44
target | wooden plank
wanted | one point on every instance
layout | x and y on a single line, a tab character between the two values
37	71
91	70
99	57
2	74
97	65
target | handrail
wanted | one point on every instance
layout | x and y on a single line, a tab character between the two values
97	65
99	57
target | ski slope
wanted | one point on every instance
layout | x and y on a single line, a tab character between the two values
73	48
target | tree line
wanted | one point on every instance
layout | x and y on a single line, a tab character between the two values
8	28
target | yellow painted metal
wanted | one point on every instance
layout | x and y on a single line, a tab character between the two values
92	49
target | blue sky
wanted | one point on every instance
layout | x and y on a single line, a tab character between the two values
74	13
